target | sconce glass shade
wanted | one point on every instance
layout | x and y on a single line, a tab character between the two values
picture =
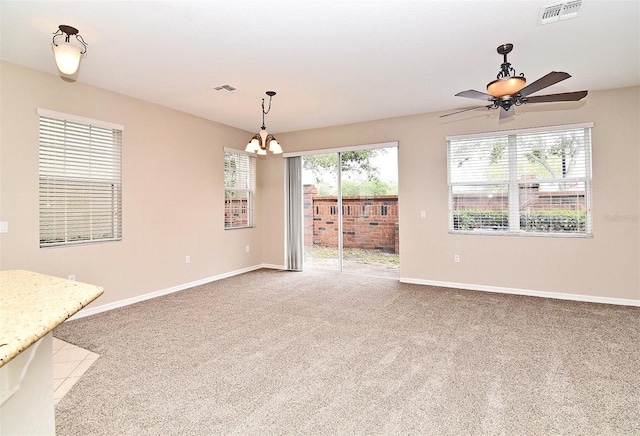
274	146
67	57
254	145
506	86
263	141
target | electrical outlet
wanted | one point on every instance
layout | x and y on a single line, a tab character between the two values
247	248
456	258
72	277
4	226
423	214
187	259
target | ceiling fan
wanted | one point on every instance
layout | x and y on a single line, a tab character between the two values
509	90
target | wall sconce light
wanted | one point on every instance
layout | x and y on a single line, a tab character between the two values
68	54
263	141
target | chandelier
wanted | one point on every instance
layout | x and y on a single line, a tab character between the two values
263	140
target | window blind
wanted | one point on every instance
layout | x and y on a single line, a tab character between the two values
524	182
554	181
239	189
80	182
479	183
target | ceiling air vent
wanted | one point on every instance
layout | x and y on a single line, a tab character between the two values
227	88
559	11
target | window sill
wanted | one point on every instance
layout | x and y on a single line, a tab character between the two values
525	234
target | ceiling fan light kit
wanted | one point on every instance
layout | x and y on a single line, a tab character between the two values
507	86
510	89
507	82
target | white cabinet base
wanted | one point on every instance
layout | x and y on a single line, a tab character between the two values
26	392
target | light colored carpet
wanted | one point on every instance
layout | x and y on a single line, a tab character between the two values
276	352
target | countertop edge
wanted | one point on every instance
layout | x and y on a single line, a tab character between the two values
30	334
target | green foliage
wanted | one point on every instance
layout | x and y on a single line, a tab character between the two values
489	159
368	188
353	162
360	162
480	219
326	190
556	220
360	176
557	157
497	151
320	165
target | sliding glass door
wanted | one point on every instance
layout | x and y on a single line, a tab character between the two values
351	211
321	202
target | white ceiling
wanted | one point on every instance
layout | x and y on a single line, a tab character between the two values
331	62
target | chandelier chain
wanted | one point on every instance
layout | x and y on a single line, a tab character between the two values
265	112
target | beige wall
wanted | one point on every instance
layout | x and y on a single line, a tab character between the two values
172	191
607	265
172	196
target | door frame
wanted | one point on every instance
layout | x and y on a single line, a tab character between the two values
339	151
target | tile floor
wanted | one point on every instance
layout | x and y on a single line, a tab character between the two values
69	363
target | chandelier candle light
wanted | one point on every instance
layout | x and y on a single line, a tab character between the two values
263	141
67	54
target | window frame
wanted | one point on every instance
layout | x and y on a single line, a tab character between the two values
247	189
79	161
513	184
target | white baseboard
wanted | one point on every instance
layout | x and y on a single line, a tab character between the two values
110	306
472	287
273	266
527	292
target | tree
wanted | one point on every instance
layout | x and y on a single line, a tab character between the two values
558	157
353	162
549	157
369	188
481	158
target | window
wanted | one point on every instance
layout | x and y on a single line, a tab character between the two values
80	182
239	189
527	182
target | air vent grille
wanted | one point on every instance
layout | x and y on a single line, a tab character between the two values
227	88
559	11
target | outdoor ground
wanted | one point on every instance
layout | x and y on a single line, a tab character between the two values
356	260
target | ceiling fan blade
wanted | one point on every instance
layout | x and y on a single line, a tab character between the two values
566	96
550	79
466	110
472	93
506	114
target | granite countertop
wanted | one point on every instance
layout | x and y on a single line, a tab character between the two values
33	304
